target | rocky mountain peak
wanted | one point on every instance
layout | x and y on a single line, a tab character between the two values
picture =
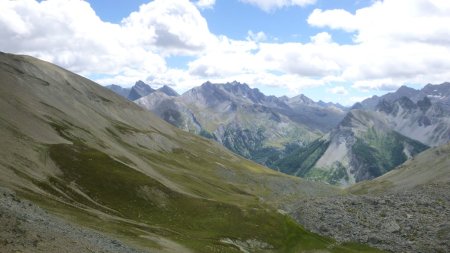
406	91
140	84
301	99
140	89
168	91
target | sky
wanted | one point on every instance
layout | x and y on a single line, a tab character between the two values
331	50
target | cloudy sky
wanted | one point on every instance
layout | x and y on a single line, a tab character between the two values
333	50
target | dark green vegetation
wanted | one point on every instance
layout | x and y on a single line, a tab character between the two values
300	160
381	153
332	176
250	144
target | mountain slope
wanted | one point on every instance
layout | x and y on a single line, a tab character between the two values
96	159
425	121
362	147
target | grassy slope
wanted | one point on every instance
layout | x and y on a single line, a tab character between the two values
90	156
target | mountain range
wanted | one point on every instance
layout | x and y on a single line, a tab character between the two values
315	140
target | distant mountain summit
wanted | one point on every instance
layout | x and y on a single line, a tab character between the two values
140	89
168	91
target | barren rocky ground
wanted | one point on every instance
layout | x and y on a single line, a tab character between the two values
417	220
27	228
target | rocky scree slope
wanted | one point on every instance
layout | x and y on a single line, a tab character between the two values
97	160
28	228
410	221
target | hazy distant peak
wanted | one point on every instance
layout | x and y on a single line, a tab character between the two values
140	89
302	99
168	91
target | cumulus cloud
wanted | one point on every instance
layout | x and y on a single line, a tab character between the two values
270	5
178	26
335	19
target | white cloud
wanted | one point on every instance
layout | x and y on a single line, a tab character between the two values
205	4
178	26
335	19
340	90
322	38
270	5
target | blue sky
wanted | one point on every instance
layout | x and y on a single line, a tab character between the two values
331	50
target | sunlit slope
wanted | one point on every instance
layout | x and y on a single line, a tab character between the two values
101	161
